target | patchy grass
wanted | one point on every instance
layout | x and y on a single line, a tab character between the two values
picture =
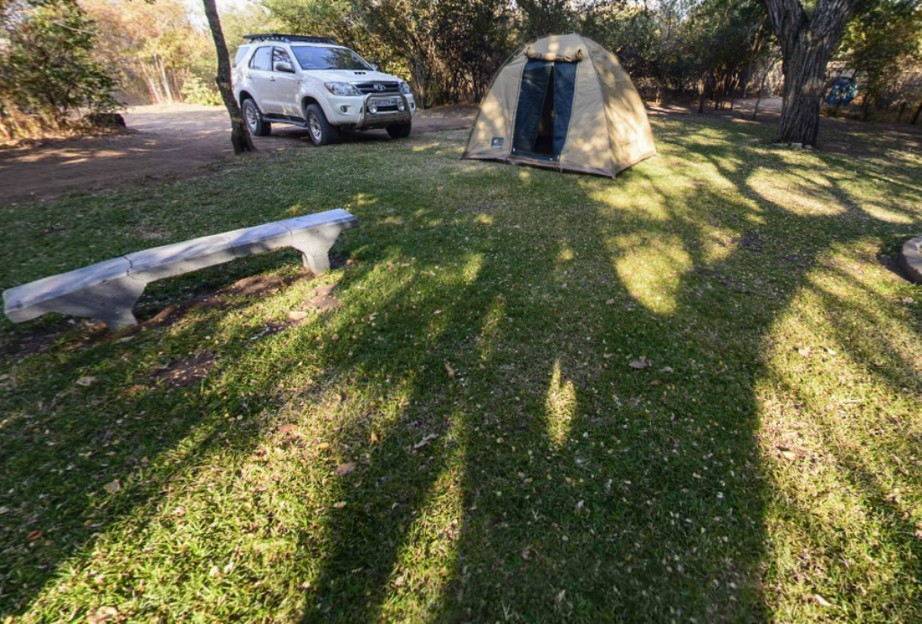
454	430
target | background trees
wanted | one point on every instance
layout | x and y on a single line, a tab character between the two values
708	51
47	71
883	46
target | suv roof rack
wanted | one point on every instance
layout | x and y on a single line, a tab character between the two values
289	38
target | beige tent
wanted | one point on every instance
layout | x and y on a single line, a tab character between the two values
563	102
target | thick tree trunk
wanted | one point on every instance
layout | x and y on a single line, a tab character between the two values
915	117
806	45
804	76
240	138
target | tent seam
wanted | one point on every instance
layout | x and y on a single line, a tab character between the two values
611	162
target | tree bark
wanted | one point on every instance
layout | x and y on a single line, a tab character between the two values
240	137
807	43
915	117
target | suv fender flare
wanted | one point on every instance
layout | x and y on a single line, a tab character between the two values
307	99
246	95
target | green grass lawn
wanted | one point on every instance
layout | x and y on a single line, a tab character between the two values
463	438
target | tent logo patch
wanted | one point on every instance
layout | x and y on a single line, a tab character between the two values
497	143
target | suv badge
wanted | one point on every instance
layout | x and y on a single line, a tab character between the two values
379	87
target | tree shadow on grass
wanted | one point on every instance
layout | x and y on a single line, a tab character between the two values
564	484
97	441
488	451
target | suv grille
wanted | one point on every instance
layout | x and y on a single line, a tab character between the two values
370	87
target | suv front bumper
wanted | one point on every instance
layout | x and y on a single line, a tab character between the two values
375	110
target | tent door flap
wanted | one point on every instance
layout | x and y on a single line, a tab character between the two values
544	109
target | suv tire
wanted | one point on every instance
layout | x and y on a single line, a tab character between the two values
400	131
254	119
320	130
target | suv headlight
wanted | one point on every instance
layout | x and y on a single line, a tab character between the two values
341	88
404	88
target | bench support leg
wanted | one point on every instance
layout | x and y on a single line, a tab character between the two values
315	248
111	302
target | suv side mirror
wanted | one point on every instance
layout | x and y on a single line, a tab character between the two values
284	66
374	66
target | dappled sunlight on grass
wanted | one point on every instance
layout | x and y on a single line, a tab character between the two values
796	196
687	393
651	268
560	407
840	438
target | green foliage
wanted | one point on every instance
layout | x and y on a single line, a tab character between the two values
47	72
449	49
883	44
196	91
158	45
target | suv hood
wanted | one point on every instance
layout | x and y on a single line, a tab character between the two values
348	75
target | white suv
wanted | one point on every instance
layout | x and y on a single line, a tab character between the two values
314	83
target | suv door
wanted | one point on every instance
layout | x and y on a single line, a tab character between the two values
286	83
262	80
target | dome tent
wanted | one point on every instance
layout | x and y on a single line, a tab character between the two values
563	102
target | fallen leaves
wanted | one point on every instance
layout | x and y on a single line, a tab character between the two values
822	601
344	469
297	315
33	535
640	363
103	614
86	381
426	440
113	487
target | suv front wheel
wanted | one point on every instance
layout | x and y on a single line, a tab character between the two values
322	133
254	119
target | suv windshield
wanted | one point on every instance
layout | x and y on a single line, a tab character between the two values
316	57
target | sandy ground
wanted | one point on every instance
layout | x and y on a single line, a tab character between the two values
164	142
169	142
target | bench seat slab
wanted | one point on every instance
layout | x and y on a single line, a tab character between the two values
109	290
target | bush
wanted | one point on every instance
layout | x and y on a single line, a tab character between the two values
47	73
196	91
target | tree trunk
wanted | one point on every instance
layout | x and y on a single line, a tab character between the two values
804	76
240	137
806	46
915	117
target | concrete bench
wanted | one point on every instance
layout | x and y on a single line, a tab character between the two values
109	290
911	259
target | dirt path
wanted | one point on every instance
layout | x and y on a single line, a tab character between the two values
163	142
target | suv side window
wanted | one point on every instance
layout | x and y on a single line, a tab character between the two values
280	55
262	58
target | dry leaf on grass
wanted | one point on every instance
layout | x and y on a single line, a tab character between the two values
112	487
85	381
822	601
343	469
429	438
640	363
102	614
